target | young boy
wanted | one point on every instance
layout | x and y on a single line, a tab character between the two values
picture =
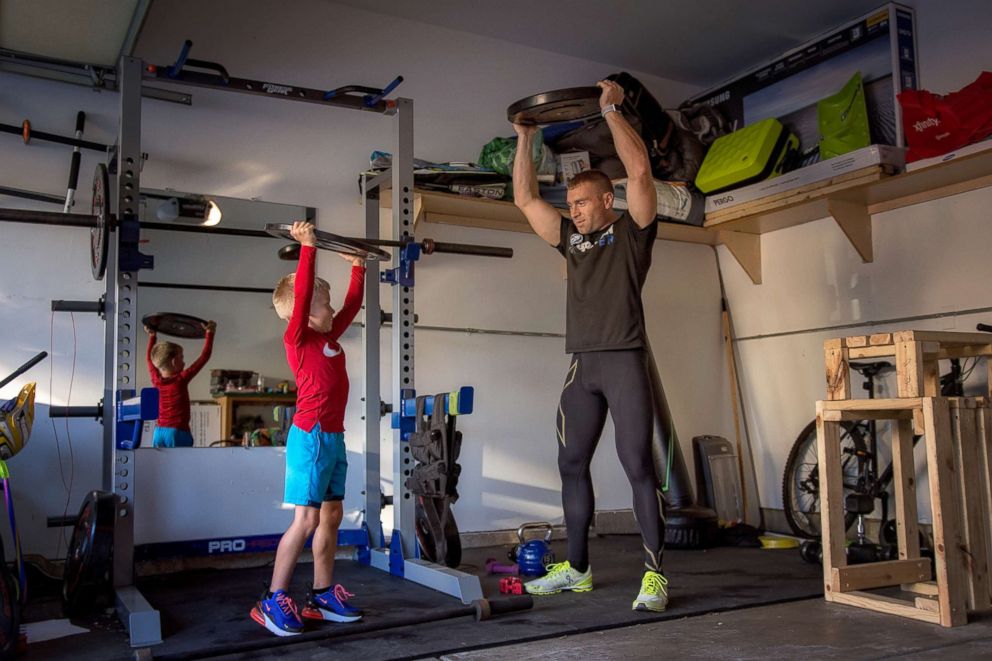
316	461
166	367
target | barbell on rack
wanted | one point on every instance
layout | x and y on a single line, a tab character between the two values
100	222
27	133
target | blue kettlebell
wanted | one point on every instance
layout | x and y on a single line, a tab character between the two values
535	554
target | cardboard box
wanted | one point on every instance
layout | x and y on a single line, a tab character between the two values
573	163
893	158
951	155
881	45
148	432
204	425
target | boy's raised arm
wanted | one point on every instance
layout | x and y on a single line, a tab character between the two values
303	283
352	301
152	370
208	347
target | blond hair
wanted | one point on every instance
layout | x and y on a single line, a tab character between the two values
163	353
283	296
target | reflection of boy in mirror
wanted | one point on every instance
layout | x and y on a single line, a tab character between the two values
316	460
171	376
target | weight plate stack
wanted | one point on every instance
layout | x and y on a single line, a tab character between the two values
88	564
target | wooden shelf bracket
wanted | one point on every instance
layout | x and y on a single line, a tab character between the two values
855	221
746	249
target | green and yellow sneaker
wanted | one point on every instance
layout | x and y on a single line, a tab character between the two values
560	577
654	593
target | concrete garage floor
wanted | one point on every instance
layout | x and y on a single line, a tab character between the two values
726	603
808	629
811	629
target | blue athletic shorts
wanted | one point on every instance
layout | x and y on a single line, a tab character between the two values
316	466
169	437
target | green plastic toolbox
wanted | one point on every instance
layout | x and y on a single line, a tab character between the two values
756	152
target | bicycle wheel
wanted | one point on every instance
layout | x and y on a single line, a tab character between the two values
801	481
10	609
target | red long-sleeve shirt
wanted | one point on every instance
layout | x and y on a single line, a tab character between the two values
173	391
317	360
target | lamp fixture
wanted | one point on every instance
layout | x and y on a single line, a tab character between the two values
179	209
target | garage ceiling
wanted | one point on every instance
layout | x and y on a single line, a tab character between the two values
85	31
702	42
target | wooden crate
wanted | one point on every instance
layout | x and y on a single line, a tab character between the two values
958	437
914	353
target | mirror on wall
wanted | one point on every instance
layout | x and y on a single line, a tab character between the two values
211	263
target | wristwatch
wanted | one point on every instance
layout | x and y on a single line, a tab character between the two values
610	108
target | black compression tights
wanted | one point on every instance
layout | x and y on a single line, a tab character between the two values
596	382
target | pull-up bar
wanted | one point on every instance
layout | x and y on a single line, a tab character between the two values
212	74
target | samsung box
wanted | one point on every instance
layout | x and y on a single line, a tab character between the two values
881	45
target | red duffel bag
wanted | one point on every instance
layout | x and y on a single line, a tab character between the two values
936	124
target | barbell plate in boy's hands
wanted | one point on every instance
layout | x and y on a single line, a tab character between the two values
564	105
332	242
176	324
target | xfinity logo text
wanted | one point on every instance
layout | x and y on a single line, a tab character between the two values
225	546
925	124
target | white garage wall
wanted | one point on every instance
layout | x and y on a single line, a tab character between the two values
304	154
930	259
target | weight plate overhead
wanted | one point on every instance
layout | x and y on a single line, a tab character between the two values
100	235
333	242
565	105
175	324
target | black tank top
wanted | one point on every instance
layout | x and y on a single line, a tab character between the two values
606	272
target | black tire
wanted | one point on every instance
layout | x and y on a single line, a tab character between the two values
801	482
10	609
811	551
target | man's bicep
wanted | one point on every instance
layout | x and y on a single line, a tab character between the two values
544	219
642	200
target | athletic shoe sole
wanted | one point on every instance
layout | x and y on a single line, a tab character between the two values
317	613
539	593
646	608
257	615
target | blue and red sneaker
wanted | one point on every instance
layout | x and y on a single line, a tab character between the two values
331	605
278	614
